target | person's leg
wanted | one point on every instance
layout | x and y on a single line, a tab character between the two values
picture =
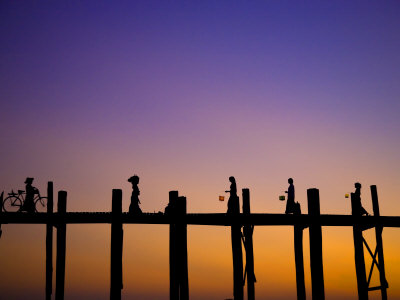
287	210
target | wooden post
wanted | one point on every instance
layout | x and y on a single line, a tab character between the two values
173	258
299	260
237	257
248	245
116	245
379	244
61	243
181	229
1	210
49	242
317	271
359	251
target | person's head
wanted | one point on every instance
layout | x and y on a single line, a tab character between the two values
232	179
134	179
290	180
357	185
28	180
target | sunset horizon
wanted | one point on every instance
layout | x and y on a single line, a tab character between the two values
185	96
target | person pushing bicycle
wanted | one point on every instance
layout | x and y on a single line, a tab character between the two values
29	204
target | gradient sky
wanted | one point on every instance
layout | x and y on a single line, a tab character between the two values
186	94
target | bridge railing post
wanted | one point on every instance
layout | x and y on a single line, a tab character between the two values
317	271
359	250
248	246
173	255
1	210
181	228
116	245
61	244
49	242
237	256
299	260
379	243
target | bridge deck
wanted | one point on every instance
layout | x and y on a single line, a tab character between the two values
216	219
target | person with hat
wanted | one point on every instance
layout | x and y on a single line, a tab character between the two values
30	191
134	206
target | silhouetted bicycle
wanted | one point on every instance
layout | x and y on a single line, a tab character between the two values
15	201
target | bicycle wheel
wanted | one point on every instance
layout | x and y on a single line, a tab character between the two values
41	204
12	204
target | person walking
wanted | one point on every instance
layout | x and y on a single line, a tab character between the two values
357	193
233	202
290	206
134	206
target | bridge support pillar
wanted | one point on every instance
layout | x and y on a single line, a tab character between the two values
237	256
317	271
379	244
359	251
299	260
49	242
116	245
173	257
248	245
61	244
178	257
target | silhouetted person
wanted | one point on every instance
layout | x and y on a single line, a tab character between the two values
134	206
290	206
30	191
357	193
233	202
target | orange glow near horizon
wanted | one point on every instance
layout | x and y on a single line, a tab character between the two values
186	95
146	268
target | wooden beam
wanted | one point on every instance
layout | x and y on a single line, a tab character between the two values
116	246
299	259
317	271
359	250
49	243
248	245
181	229
237	256
173	257
379	243
208	219
61	244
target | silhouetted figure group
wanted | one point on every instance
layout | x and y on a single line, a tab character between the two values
292	207
233	202
134	206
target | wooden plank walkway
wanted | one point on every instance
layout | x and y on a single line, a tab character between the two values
212	219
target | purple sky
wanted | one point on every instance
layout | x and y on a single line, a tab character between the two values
186	94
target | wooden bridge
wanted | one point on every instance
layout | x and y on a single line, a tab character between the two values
177	218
